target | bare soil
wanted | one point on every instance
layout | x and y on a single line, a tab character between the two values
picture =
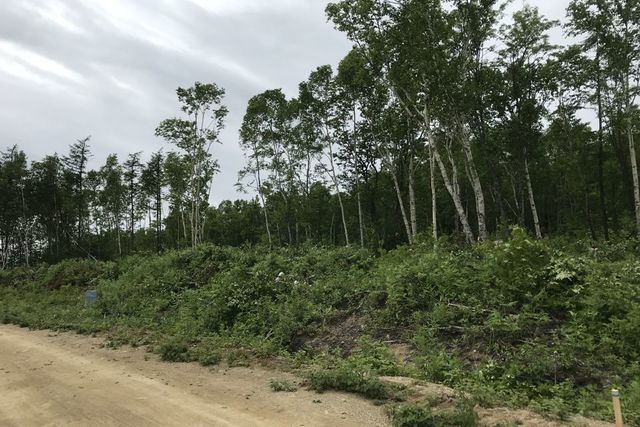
50	379
64	379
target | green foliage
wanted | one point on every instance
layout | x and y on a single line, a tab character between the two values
208	351
549	324
174	350
630	401
414	415
358	373
343	378
282	385
373	357
434	363
410	415
238	357
520	322
76	272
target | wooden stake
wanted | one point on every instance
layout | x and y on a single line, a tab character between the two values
617	410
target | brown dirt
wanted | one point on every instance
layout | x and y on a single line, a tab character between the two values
50	379
342	334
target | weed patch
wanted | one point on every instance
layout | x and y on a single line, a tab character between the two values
415	415
174	350
282	385
550	325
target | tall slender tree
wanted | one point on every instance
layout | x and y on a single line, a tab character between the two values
132	172
194	136
612	32
76	168
113	197
324	115
525	55
152	182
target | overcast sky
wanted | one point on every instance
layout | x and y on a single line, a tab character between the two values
109	68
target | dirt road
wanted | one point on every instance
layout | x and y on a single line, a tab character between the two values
49	379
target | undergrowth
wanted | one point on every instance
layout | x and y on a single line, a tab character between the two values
549	325
282	385
418	415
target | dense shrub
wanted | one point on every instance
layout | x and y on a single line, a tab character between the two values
345	379
413	415
548	324
282	385
174	350
76	272
358	373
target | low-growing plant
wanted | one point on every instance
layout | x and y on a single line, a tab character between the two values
544	324
282	385
343	378
207	352
411	415
418	415
373	357
174	350
238	358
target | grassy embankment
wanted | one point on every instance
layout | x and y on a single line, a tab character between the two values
547	325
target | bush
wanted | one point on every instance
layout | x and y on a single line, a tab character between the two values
359	372
630	399
76	272
373	357
344	378
207	352
544	324
411	415
282	385
414	415
174	350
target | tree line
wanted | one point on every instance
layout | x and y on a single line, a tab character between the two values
441	121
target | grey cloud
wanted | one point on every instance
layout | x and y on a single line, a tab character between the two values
131	56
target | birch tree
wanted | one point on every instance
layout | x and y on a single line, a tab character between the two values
194	137
612	32
358	153
524	58
256	135
426	47
325	117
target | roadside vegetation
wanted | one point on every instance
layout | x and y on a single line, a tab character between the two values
547	325
372	244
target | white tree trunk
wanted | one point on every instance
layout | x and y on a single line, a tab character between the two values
184	224
337	186
407	227
360	219
455	195
412	198
449	185
532	200
632	155
434	206
266	220
192	222
474	178
634	171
